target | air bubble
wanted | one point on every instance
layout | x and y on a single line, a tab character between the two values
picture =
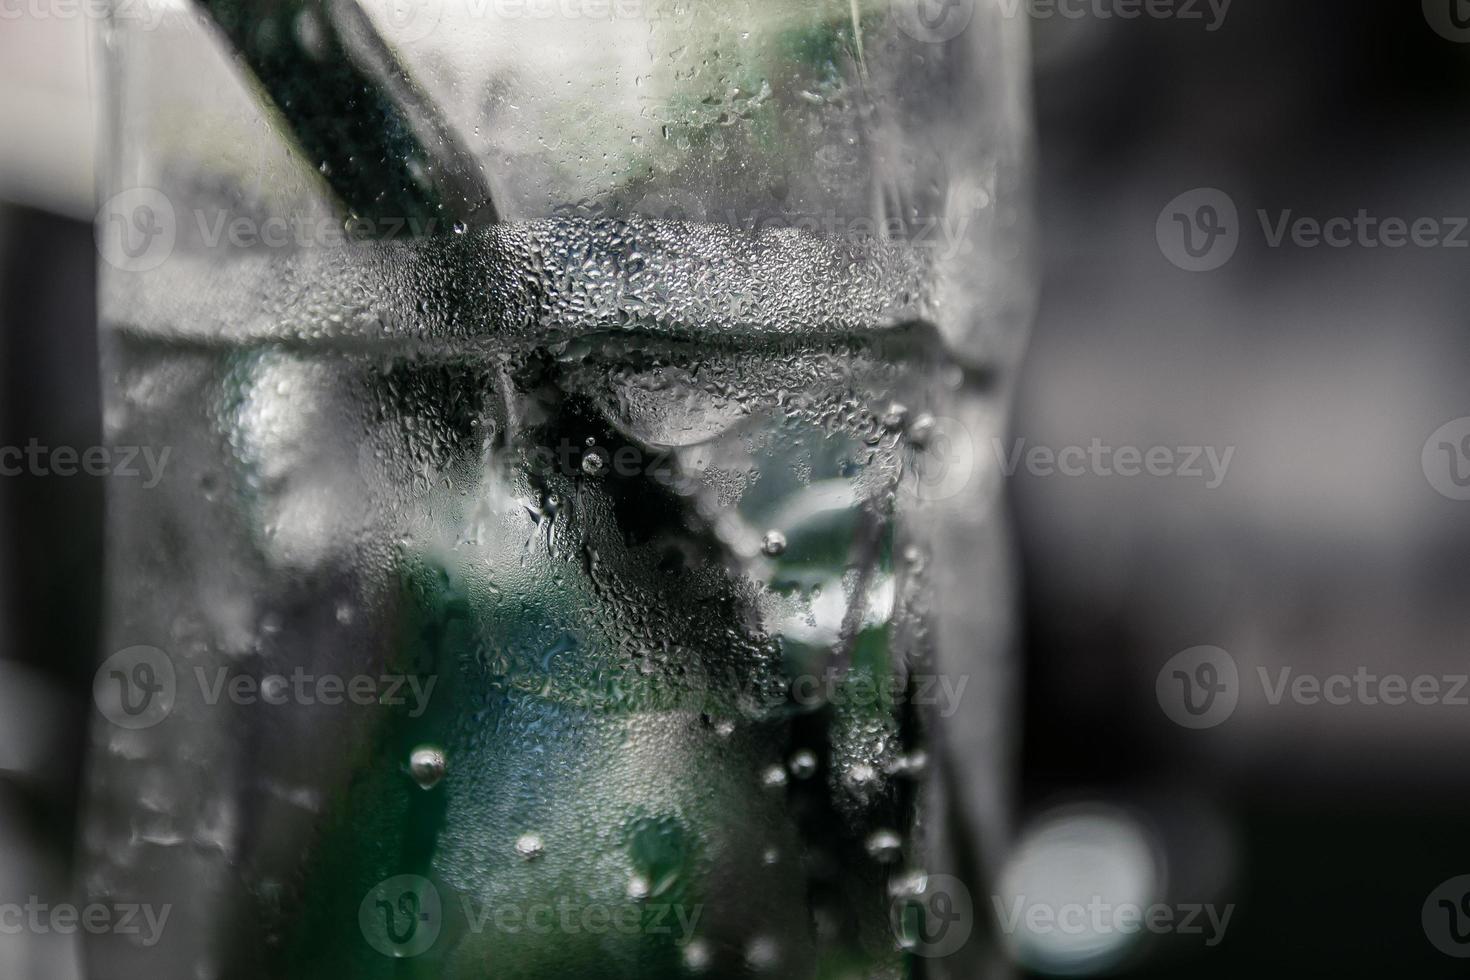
909	886
697	956
884	846
773	544
762	954
530	846
803	763
910	765
594	463
427	764
922	429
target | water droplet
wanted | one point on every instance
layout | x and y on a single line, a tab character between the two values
773	544
697	956
344	613
910	765
803	763
724	728
638	888
594	462
922	430
884	846
762	953
530	846
910	885
427	764
774	777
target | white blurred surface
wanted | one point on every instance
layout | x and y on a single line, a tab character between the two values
46	111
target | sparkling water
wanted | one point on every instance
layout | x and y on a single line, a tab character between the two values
602	534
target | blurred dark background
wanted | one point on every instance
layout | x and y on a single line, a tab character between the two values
1324	549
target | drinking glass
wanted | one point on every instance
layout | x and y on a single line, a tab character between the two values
578	547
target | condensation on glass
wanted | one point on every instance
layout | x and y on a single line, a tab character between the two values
580	549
